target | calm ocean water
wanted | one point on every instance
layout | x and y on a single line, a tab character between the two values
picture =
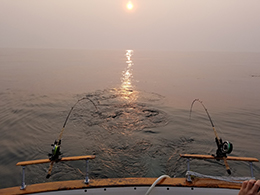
142	123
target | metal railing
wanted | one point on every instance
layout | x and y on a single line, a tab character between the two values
74	158
198	156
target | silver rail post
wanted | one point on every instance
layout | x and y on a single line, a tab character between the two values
87	170
23	186
188	169
251	169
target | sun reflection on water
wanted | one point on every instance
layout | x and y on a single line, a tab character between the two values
127	90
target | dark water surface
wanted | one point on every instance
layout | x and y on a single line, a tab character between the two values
141	124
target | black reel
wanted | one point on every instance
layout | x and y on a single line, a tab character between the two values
227	147
224	148
55	152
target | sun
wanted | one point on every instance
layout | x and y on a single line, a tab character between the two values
129	5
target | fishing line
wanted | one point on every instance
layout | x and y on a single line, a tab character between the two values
55	155
67	118
223	148
213	126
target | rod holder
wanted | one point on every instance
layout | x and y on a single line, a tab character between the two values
87	170
23	186
188	169
251	169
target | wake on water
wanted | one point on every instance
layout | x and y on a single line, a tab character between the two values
118	112
123	133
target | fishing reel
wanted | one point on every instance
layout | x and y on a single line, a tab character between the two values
55	152
224	148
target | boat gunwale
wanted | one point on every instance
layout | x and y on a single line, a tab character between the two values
119	182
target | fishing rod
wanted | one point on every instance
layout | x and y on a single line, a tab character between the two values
55	154
223	148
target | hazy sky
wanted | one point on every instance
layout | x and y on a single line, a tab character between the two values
179	25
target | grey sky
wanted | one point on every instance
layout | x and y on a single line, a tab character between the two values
179	25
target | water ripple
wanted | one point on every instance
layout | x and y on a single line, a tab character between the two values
120	115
